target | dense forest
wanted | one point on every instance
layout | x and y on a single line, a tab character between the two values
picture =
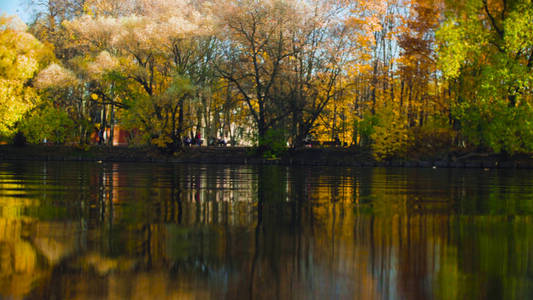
400	77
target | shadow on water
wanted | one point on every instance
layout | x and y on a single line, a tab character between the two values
151	231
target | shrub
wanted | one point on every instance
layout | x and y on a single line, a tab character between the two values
492	124
436	137
273	144
391	138
47	122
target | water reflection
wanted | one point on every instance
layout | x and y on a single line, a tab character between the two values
147	231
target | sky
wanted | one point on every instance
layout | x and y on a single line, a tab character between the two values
15	7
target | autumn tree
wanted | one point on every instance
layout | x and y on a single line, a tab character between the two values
257	38
46	22
22	56
54	119
377	26
418	89
284	58
313	74
486	52
158	44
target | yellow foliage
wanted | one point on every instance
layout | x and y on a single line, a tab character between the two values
20	56
391	138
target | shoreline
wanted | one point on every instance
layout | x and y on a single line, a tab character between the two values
339	157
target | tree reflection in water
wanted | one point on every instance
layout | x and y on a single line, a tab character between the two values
140	231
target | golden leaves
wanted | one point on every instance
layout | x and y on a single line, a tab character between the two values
20	56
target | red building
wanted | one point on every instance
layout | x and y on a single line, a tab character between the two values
120	136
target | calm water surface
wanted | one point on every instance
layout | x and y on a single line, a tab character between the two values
155	231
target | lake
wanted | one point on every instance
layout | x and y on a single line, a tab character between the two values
72	230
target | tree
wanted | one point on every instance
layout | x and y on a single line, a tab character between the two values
377	26
159	44
47	123
46	25
313	74
256	36
284	58
417	69
486	51
21	56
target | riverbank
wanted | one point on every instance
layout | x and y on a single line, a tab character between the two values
243	155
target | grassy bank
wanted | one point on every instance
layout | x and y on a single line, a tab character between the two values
243	155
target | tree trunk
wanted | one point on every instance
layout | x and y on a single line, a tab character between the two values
112	117
111	125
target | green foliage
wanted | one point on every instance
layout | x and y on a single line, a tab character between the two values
157	116
487	56
458	46
518	29
180	86
391	138
137	117
365	128
48	122
273	144
495	126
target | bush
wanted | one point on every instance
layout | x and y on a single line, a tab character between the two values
433	139
391	137
273	144
48	122
495	126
